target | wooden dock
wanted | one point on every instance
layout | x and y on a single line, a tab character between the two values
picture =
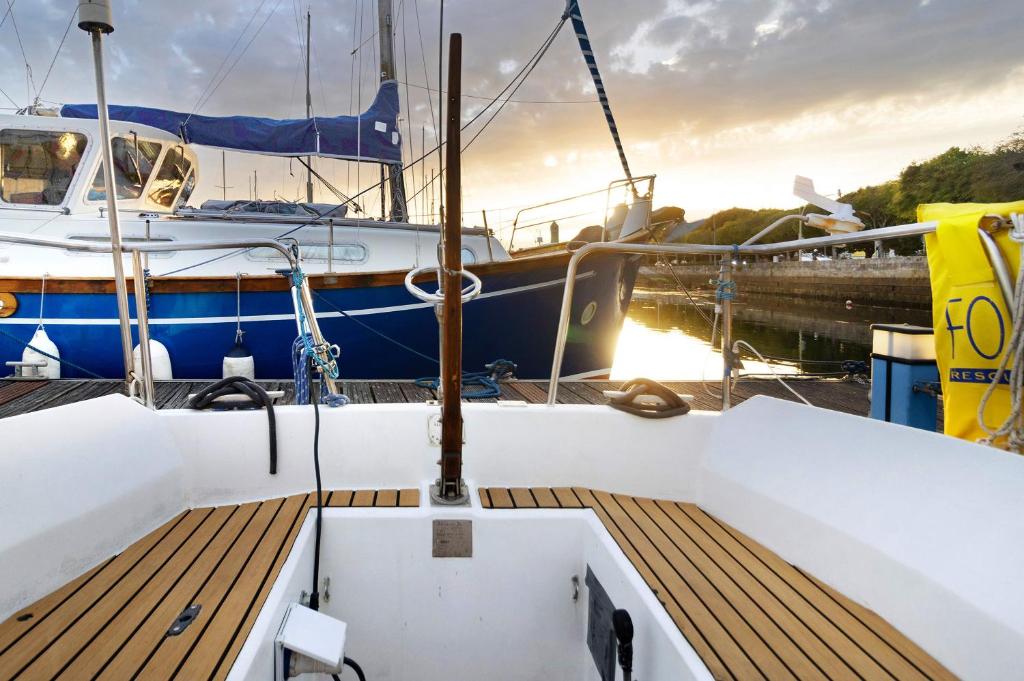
851	397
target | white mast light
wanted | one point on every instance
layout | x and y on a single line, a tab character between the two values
95	14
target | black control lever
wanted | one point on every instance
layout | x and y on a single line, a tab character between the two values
622	623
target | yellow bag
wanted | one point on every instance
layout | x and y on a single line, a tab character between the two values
971	321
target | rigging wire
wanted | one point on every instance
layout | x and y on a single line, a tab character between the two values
241	54
408	116
17	107
56	54
440	118
536	60
514	101
363	44
351	89
379	185
238	38
423	56
10	8
21	46
515	81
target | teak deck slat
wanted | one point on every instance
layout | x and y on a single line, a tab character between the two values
111	622
744	610
137	629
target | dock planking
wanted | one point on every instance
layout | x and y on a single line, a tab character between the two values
851	397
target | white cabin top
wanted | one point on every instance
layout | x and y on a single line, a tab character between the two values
51	185
50	163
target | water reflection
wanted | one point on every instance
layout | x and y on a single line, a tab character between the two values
666	337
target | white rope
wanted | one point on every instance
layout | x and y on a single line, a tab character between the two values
735	349
1012	427
42	297
238	305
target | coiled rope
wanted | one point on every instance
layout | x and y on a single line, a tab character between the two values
258	397
497	371
669	404
1012	427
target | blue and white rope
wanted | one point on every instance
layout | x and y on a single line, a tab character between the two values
303	347
572	9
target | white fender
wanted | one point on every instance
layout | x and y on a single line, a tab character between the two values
239	362
159	356
239	366
42	341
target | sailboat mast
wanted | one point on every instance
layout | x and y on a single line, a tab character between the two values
309	115
396	183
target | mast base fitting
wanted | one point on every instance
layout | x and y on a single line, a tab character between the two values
437	499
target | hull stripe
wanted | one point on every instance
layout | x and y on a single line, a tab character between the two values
279	317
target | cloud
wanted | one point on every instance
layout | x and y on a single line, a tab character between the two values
688	79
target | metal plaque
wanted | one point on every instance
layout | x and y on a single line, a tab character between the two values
453	539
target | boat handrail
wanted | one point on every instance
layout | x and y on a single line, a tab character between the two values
880	234
607	191
311	220
136	248
148	246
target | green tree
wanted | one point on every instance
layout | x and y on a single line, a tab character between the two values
954	176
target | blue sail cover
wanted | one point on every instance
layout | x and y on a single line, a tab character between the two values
373	136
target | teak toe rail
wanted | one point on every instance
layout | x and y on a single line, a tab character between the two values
743	609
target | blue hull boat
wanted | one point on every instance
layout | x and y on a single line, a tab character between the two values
382	330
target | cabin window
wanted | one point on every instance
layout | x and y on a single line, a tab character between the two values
132	168
468	257
343	253
37	166
171	176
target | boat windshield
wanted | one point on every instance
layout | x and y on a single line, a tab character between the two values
171	176
37	166
132	167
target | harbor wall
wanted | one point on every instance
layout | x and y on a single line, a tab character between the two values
896	282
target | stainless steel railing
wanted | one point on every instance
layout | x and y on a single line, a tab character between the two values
300	297
884	233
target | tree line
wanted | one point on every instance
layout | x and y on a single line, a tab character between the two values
958	175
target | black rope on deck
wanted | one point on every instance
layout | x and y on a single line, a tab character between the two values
240	385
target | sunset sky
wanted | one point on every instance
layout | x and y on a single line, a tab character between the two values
724	101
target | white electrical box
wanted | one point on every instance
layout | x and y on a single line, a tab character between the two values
311	634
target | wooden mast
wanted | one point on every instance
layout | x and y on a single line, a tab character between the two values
451	242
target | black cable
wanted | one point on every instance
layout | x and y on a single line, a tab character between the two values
349	662
314	596
258	397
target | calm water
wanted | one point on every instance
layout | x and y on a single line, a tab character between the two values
665	337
